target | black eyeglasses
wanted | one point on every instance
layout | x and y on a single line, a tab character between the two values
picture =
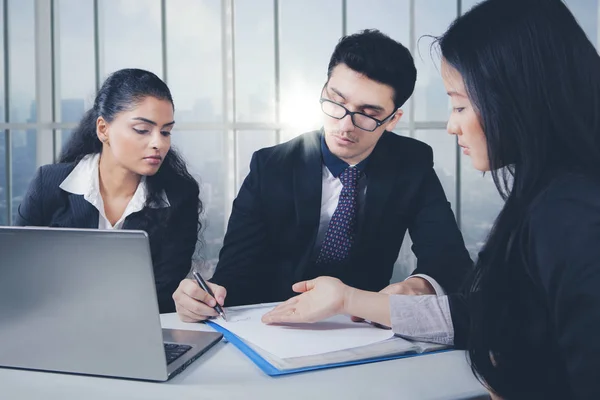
360	120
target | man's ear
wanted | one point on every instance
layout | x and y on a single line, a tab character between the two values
391	124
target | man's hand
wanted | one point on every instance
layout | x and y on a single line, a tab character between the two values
412	286
193	304
415	286
320	298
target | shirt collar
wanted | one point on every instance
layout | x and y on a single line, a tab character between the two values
334	164
84	181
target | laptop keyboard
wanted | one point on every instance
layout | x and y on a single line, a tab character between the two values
174	351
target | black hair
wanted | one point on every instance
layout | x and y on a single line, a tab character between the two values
121	91
533	78
379	58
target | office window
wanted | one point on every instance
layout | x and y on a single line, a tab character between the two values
309	32
65	136
254	61
21	61
432	18
444	159
194	59
480	205
2	70
391	17
247	143
75	61
75	58
198	72
205	156
23	164
3	189
130	35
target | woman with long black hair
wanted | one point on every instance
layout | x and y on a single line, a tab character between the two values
119	171
524	82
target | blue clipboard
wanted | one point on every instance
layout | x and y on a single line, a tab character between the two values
271	370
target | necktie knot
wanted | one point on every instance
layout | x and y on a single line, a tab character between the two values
349	177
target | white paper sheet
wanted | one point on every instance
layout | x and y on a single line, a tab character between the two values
298	340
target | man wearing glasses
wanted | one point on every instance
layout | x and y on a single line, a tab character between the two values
339	201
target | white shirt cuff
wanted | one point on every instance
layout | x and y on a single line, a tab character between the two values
439	290
422	318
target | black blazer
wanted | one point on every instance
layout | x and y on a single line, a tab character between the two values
46	204
275	218
549	347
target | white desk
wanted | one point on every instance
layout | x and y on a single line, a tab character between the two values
225	373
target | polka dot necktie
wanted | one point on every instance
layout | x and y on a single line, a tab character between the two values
340	232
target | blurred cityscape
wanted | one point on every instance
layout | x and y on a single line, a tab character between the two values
195	73
205	153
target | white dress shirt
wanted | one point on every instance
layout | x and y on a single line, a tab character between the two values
84	180
423	318
330	196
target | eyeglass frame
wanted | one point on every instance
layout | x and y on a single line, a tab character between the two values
352	113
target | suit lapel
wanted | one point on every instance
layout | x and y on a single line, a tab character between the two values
381	174
307	184
134	221
140	220
78	214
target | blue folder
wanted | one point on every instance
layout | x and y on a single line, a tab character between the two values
271	370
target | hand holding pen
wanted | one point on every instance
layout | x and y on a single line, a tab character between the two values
207	289
194	303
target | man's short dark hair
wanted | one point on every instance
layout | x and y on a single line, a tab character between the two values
380	58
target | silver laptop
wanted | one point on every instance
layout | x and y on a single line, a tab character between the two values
84	301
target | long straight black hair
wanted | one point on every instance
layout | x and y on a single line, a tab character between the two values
534	79
121	91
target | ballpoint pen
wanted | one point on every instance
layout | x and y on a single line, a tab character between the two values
206	288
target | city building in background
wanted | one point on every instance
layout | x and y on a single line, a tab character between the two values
244	74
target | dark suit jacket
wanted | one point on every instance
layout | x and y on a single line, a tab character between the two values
549	347
172	246
275	218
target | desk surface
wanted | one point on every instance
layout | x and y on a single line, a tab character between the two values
225	373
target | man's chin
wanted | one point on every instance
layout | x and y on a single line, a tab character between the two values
343	153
